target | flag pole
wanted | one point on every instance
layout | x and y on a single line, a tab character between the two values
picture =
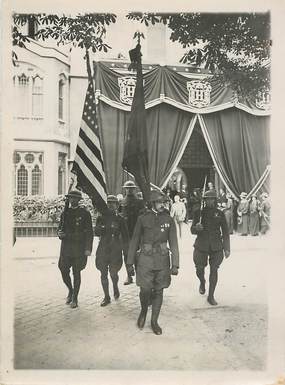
201	206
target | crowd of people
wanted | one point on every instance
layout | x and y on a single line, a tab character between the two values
250	215
145	237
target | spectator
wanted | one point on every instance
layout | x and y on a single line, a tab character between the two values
178	213
242	212
254	208
265	213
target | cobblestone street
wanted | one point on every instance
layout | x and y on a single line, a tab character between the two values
51	335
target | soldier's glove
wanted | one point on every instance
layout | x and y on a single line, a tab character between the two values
227	253
174	270
61	234
130	270
199	227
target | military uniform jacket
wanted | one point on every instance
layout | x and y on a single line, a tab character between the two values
152	233
131	209
78	232
215	236
114	238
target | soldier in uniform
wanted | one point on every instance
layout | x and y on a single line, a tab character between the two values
113	232
131	208
76	234
212	242
154	231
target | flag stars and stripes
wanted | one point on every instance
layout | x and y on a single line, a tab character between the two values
88	162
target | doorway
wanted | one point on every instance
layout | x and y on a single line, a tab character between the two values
196	176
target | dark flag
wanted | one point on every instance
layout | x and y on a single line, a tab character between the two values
135	159
88	162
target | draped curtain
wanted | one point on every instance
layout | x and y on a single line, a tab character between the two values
168	131
239	145
236	131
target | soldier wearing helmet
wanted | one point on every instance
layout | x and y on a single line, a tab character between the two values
131	208
211	244
76	234
154	235
114	239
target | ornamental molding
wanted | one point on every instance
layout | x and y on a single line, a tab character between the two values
199	93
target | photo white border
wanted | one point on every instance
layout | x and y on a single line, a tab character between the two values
276	241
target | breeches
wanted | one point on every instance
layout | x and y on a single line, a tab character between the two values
112	264
153	279
77	264
201	258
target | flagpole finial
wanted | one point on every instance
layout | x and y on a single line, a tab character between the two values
138	35
135	54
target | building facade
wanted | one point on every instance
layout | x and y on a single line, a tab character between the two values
41	121
49	96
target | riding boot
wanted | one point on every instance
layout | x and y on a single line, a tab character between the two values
144	299
213	279
76	285
157	299
201	275
69	297
67	281
115	280
105	285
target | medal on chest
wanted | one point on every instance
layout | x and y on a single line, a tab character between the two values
164	227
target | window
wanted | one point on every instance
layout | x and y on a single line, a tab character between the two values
22	176
37	97
61	99
32	27
23	96
28	93
28	172
36	180
61	173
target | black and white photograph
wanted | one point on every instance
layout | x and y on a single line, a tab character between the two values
141	195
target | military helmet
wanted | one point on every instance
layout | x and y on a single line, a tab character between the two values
210	194
156	196
112	198
74	194
129	184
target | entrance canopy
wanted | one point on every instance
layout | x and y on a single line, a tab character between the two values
236	130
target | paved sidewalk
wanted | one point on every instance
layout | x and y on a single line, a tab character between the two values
51	335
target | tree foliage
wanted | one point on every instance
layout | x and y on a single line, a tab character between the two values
234	47
86	31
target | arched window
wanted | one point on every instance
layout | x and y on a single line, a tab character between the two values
37	97
28	92
28	172
22	181
24	96
36	180
61	99
61	173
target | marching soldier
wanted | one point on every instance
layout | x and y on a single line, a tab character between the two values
76	234
131	208
114	238
154	231
212	242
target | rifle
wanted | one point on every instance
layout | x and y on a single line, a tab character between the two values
66	205
201	206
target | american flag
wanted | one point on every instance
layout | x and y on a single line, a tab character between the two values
88	162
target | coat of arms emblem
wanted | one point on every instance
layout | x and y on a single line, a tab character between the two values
263	101
127	86
199	93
